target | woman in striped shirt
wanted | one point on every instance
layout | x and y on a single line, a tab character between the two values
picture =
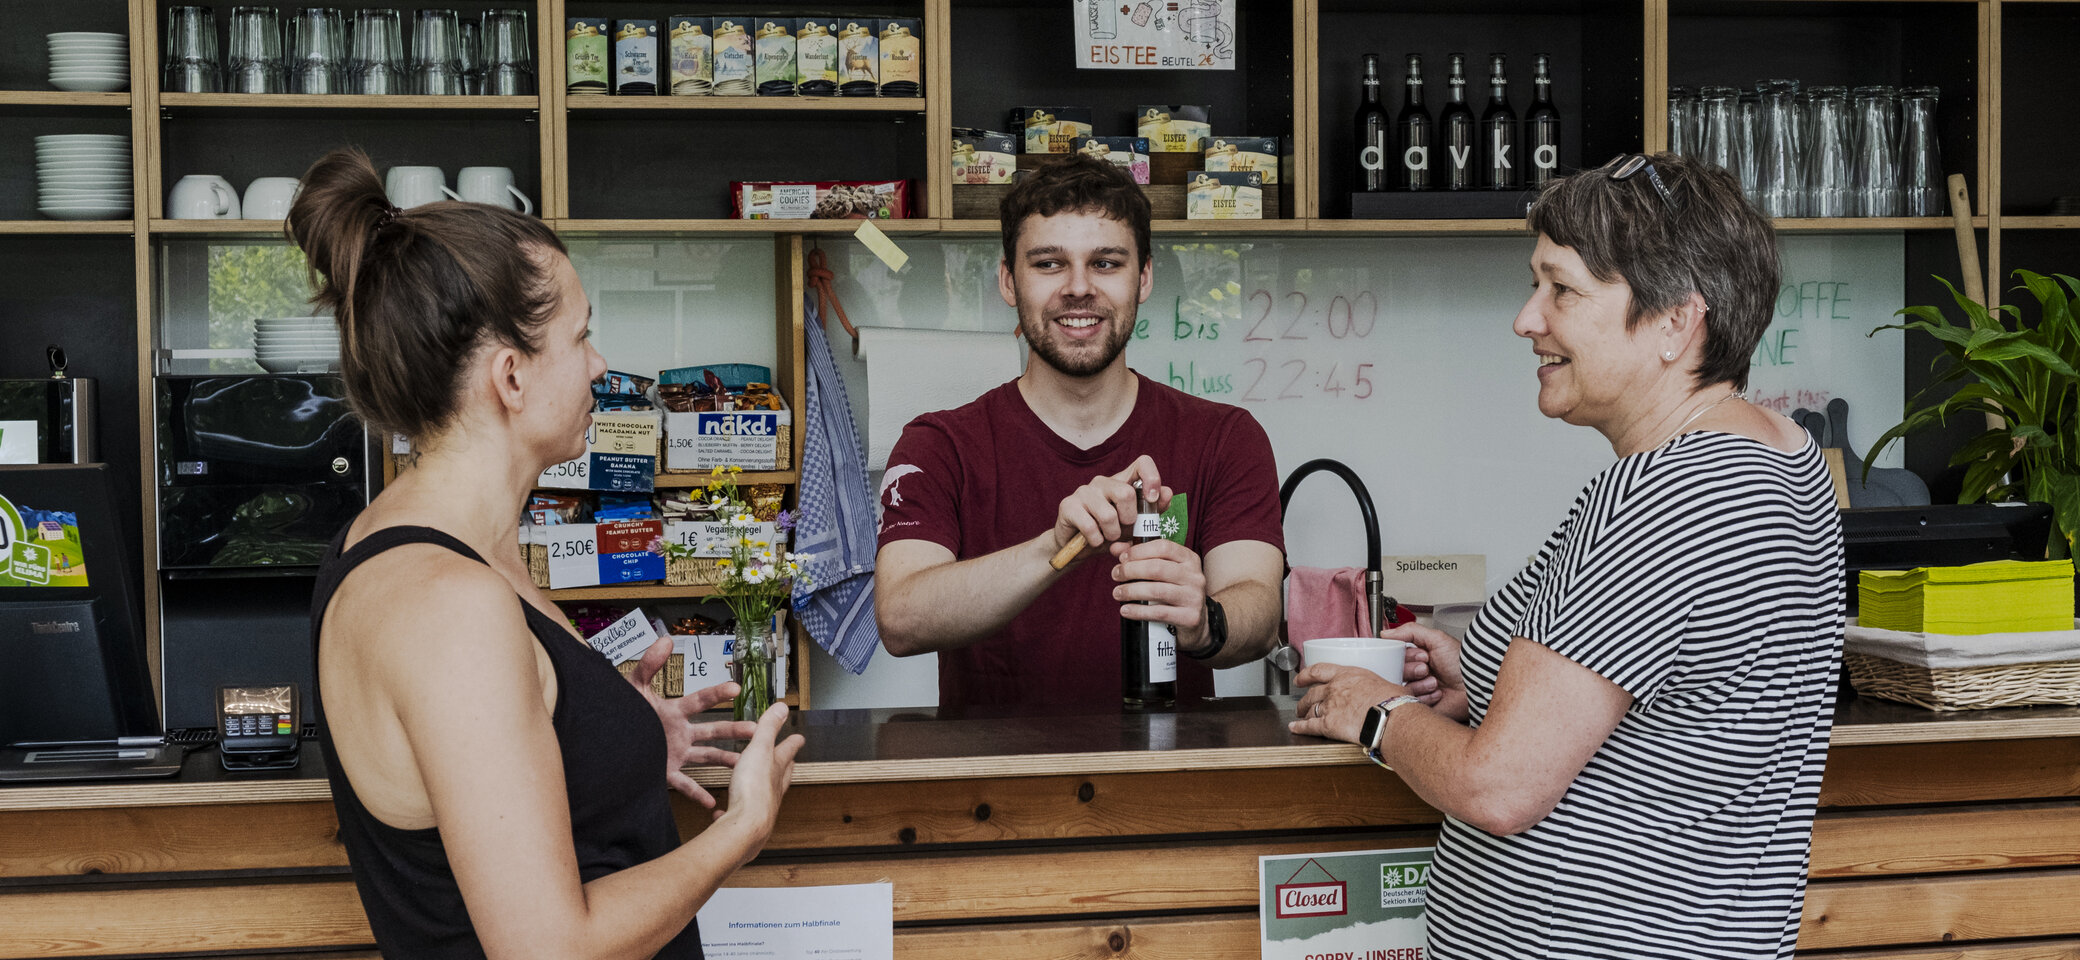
1628	745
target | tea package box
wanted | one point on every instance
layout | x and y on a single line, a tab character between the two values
587	56
1224	195
983	156
902	57
691	56
1174	129
1244	153
735	61
1130	153
635	57
816	56
859	59
774	57
1051	129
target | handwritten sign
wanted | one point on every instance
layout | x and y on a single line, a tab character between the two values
1155	34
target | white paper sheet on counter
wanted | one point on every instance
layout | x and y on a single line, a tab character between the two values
851	922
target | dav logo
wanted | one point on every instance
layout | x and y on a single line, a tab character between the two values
1313	899
738	424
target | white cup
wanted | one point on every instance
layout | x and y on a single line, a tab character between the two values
492	185
409	187
202	197
268	198
1383	657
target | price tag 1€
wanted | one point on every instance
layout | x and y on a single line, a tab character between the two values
706	659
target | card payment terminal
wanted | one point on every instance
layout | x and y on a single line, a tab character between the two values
258	727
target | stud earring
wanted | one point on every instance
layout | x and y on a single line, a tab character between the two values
1669	356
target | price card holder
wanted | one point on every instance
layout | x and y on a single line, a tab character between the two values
620	457
592	554
711	539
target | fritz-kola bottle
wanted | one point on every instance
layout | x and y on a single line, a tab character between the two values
1414	125
1147	650
1375	139
1542	126
1457	129
1499	132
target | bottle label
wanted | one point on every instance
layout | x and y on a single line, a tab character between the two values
1416	158
1546	157
1372	157
1162	654
1148	526
1500	149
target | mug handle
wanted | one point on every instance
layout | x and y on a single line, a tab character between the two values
452	195
227	201
526	205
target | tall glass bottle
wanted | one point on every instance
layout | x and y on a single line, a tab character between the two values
1542	126
1499	169
1459	132
1414	126
1375	133
1147	650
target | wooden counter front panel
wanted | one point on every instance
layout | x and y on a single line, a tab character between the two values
166	840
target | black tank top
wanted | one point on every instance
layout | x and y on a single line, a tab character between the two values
612	746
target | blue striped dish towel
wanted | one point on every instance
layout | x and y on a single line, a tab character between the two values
837	522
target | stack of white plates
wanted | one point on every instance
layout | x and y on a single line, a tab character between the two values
89	61
296	344
83	176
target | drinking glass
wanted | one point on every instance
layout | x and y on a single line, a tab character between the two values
1719	127
508	67
1682	122
191	51
1748	143
378	62
1779	177
1827	154
470	51
436	52
255	61
1874	174
1921	186
1802	125
317	50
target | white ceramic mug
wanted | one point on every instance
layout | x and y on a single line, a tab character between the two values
202	197
409	187
1383	657
492	185
268	198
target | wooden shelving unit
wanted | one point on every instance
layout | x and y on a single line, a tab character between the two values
638	591
591	162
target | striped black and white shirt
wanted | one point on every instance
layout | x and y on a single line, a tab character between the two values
1704	578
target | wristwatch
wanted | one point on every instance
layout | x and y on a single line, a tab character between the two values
1216	631
1373	733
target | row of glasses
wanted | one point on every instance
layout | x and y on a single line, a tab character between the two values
1825	151
449	55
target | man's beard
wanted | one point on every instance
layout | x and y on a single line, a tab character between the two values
1086	363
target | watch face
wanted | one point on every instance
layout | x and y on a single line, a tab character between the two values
1368	733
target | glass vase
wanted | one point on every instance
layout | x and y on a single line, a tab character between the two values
754	666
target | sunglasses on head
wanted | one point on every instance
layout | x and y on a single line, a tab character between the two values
1623	166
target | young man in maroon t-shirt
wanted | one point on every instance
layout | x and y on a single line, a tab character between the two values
976	500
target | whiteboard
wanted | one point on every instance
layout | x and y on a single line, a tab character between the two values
1396	357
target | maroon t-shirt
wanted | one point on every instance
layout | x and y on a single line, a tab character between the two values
990	474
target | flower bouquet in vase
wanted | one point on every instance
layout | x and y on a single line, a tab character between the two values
758	576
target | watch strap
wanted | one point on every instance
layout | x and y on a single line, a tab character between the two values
1216	631
1386	709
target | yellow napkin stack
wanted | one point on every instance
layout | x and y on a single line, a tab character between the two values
2002	596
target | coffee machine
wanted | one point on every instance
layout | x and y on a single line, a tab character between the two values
48	419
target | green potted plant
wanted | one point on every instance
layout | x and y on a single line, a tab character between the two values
2022	378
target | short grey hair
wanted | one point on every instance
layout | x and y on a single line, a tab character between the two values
1705	237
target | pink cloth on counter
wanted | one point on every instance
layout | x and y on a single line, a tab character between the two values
1325	602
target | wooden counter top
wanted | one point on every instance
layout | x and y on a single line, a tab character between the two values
915	744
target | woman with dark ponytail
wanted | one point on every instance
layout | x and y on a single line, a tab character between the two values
500	787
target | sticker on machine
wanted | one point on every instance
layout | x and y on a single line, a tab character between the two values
40	548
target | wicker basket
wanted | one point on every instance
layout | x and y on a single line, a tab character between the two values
692	571
1964	688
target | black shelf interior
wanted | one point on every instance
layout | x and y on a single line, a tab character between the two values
1596	50
1846	44
647	167
25	55
1010	55
19	128
80	293
233	146
2038	85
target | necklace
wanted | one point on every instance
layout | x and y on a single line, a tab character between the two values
1701	411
